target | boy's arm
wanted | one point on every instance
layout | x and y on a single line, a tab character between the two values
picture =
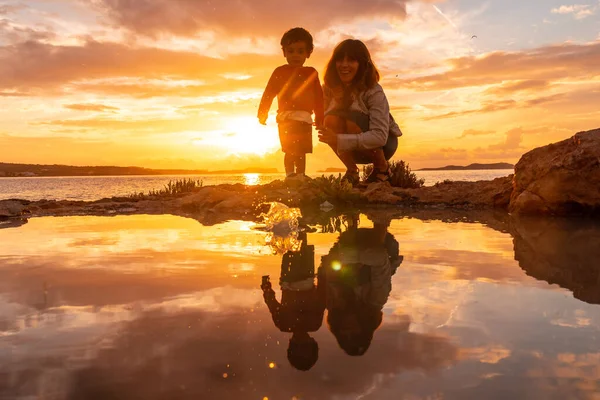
319	105
267	98
270	300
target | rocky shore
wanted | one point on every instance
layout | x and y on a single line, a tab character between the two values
559	179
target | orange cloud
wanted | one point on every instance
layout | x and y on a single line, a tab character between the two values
566	61
256	18
91	107
501	105
475	132
58	65
518	86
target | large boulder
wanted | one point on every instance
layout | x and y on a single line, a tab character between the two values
560	179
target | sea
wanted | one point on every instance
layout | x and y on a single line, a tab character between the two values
89	188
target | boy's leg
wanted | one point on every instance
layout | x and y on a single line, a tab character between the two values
288	162
301	164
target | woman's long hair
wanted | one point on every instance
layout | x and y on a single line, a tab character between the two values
367	74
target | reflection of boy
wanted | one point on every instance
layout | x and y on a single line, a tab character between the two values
302	304
359	272
299	93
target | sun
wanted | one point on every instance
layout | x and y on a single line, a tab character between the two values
244	135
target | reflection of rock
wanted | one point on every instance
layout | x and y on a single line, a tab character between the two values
13	223
565	252
561	178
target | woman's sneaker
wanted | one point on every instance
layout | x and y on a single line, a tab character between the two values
378	176
353	178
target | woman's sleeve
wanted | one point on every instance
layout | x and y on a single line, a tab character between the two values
379	125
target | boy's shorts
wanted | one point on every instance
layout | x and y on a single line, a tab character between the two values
295	137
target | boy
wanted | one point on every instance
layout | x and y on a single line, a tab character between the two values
299	94
302	304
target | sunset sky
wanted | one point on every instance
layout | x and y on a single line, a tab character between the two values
176	83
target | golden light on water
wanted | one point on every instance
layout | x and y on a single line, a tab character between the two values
251	179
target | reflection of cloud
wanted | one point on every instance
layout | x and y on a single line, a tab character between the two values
197	349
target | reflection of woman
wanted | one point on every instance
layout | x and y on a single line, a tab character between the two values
359	271
358	124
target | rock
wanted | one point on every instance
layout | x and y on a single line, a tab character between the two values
206	198
481	194
12	208
326	206
561	179
381	193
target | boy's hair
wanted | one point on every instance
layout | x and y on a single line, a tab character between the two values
298	35
303	355
366	76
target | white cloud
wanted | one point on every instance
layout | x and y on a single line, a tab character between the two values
579	11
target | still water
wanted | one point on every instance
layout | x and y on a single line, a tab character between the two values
97	187
161	307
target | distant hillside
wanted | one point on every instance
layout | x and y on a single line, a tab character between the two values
333	170
29	170
471	167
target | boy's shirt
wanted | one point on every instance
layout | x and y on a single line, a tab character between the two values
298	311
299	94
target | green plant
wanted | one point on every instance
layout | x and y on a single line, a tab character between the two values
173	188
333	189
402	176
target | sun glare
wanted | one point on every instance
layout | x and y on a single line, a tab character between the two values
244	135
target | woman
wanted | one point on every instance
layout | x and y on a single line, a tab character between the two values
358	125
358	273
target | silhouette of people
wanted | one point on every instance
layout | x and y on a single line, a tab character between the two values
359	269
302	304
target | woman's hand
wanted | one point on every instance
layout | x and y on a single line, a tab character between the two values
328	136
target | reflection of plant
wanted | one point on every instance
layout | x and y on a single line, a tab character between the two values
173	188
338	223
402	176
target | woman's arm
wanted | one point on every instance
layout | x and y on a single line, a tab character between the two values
379	125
